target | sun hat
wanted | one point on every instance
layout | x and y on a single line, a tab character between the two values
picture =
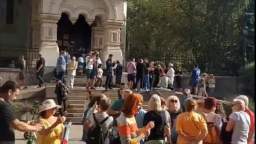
48	104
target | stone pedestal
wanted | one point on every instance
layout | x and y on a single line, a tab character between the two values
48	46
112	43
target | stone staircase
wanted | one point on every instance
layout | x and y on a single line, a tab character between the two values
78	98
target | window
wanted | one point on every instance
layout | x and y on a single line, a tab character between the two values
114	37
10	11
3	11
6	11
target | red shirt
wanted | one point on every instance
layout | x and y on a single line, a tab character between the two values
252	120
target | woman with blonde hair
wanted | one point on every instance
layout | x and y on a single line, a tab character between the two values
239	123
191	126
52	126
161	118
174	109
126	124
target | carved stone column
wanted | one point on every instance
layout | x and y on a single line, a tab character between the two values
97	39
48	37
112	43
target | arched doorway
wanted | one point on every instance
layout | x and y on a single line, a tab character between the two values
81	36
74	38
64	32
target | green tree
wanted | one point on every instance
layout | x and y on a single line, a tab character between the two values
187	32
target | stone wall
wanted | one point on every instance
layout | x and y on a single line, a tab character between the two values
9	74
226	86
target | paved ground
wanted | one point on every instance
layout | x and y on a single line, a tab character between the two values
75	136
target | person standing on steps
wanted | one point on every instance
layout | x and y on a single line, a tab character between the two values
140	73
118	73
195	77
72	66
109	71
61	92
22	74
131	70
40	65
61	66
171	74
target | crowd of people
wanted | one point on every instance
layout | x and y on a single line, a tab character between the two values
192	116
177	119
142	74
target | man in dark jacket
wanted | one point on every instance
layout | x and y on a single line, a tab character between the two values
118	73
109	70
61	92
141	67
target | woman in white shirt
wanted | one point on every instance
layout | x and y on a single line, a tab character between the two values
72	66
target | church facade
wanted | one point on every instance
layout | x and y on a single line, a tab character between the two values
30	27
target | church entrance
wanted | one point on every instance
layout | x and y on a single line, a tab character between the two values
74	38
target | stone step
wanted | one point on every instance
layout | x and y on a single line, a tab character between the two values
75	120
72	105
81	98
71	101
75	110
74	115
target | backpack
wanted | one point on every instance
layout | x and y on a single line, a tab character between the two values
225	136
95	134
213	133
114	135
212	136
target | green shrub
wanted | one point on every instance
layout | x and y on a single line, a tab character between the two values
247	80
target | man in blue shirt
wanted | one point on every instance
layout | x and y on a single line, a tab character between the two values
195	79
61	66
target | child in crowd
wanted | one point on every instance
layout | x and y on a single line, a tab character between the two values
99	76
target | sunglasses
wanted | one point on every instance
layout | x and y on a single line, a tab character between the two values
173	101
234	105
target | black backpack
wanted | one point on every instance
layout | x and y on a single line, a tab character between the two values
95	134
225	136
114	135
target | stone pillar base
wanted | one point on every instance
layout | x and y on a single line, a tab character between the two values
115	51
50	54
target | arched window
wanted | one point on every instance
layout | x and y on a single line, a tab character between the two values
6	11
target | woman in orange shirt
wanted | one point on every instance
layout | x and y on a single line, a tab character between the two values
191	126
126	124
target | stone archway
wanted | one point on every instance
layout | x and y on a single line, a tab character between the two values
105	37
75	37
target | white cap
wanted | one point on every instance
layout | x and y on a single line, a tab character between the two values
48	104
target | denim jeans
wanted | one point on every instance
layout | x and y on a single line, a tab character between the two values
60	76
39	76
146	82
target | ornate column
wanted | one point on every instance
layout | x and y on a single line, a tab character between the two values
97	39
112	43
48	36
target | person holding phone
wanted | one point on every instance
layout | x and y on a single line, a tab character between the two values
53	127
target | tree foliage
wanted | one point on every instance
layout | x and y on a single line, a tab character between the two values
185	32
